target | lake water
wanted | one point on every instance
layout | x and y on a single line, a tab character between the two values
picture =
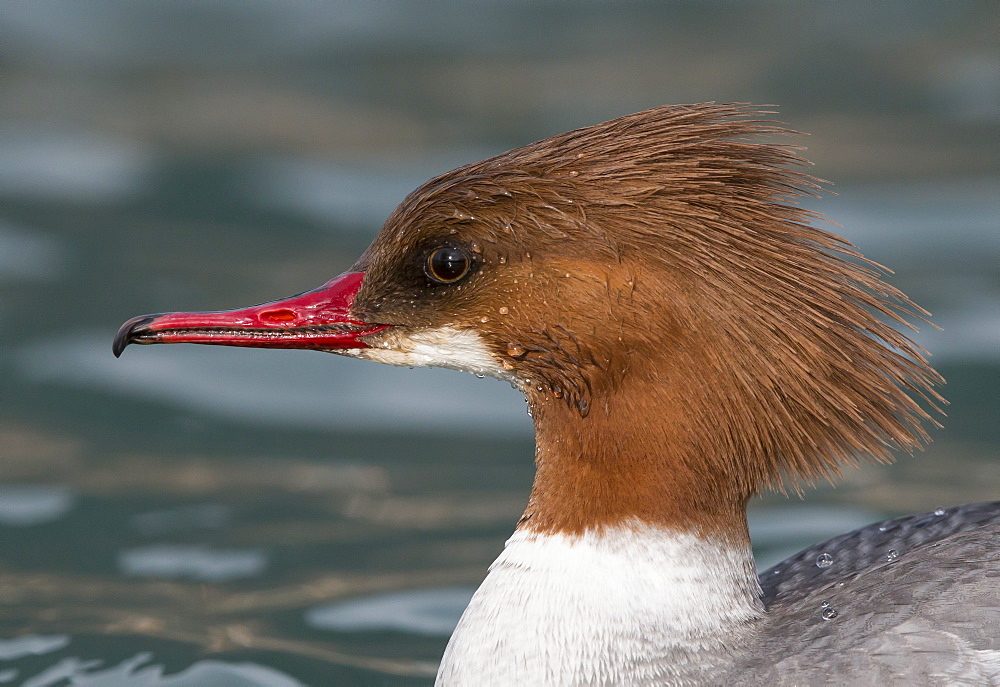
213	516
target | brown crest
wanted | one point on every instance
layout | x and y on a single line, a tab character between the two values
686	329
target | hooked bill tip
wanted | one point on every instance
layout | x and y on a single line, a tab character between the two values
128	331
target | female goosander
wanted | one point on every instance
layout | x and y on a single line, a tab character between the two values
684	339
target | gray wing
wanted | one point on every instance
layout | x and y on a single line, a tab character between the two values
908	601
853	552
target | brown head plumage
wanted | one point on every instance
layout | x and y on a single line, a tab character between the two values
667	245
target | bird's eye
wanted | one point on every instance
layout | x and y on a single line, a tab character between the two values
447	264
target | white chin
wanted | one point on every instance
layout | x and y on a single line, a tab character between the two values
457	349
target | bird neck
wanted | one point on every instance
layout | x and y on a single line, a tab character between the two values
645	452
628	567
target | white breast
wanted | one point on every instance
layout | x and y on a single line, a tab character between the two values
626	606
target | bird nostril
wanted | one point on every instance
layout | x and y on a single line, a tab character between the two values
280	315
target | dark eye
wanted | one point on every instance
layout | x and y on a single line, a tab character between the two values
447	264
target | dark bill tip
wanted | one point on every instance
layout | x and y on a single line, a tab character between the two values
130	331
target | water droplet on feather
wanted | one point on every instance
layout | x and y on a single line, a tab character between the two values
516	350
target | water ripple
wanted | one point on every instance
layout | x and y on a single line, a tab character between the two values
424	611
192	561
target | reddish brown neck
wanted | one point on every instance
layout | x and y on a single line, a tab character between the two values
637	456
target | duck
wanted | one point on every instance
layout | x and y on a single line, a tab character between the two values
686	337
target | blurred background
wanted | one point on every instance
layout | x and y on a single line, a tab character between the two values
201	516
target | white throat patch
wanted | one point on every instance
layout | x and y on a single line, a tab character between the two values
457	349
